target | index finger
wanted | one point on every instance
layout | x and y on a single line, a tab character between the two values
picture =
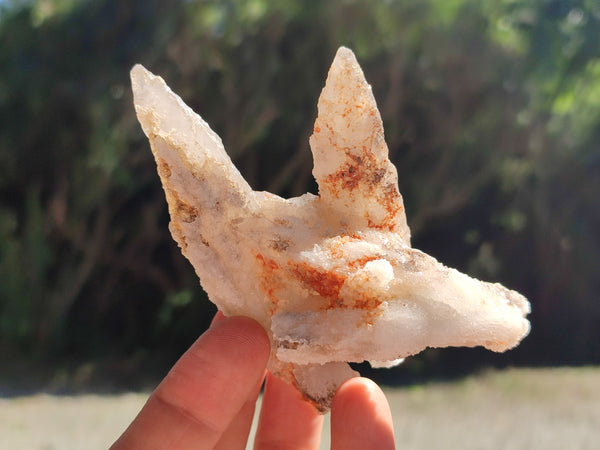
205	389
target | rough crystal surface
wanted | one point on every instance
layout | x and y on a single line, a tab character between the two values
332	278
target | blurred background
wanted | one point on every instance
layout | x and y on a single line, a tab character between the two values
492	117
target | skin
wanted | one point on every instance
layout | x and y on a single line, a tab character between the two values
207	401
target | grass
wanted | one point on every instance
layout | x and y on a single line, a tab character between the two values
554	408
513	409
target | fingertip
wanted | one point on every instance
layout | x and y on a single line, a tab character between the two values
286	419
363	389
217	317
242	332
361	417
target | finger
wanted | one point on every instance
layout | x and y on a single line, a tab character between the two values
204	391
236	434
361	417
217	318
286	421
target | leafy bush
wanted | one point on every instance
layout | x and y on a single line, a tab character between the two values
491	110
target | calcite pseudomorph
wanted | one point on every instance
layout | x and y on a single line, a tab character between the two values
332	278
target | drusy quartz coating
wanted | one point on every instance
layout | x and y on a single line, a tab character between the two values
332	278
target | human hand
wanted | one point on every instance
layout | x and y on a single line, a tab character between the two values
207	401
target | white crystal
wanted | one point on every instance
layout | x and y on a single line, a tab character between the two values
332	278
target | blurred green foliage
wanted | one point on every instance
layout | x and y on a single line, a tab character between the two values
491	111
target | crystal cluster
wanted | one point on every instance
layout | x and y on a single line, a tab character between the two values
332	278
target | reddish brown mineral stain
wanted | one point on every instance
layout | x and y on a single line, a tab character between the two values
325	282
366	303
363	175
351	174
178	207
164	170
179	235
268	279
328	284
185	211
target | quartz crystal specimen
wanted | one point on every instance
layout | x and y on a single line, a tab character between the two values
332	278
